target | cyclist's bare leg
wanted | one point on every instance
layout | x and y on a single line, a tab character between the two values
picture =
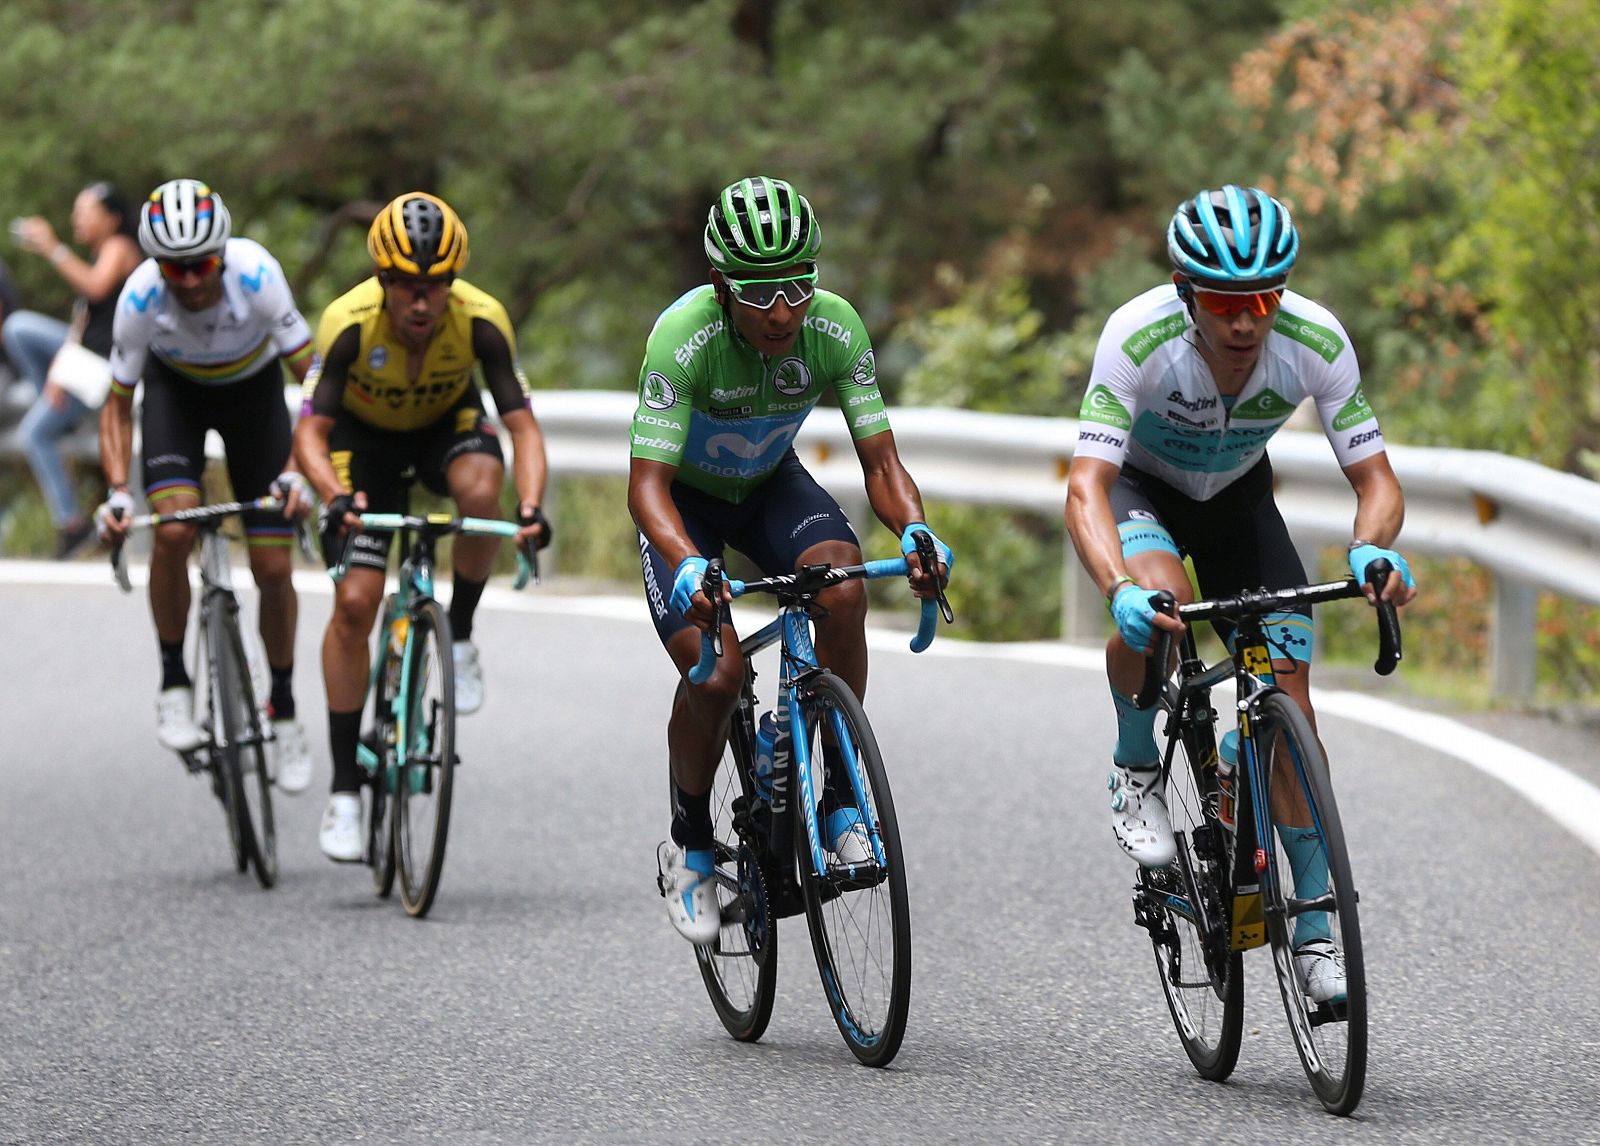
698	727
841	635
474	481
273	568
169	570
346	660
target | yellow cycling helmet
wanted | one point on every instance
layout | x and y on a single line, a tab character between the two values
418	234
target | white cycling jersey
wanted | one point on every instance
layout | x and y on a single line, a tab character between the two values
1153	403
254	321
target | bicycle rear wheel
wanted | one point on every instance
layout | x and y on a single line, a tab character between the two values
1184	906
1330	1035
740	970
241	744
424	782
860	921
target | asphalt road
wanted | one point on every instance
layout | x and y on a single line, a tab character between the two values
150	994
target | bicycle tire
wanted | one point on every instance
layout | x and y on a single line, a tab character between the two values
238	750
1201	978
739	970
424	784
860	928
224	775
378	791
1330	1038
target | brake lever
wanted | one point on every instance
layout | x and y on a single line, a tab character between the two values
928	554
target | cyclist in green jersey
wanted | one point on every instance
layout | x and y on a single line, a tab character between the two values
731	370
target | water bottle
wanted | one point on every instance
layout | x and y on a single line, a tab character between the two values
766	740
397	653
1227	770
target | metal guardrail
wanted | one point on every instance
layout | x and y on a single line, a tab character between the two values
1533	529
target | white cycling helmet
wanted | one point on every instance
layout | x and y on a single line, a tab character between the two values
183	219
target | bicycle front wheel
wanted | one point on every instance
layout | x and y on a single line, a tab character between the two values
241	746
425	777
1184	907
740	969
860	918
1327	1018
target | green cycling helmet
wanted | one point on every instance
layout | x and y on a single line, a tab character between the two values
760	224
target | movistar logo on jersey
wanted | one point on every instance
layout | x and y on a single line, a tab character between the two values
253	282
834	330
1354	412
1101	405
1142	343
1324	341
696	340
141	302
1265	406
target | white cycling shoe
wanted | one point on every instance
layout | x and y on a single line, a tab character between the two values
848	839
1320	965
340	834
469	677
175	726
688	882
291	756
1139	814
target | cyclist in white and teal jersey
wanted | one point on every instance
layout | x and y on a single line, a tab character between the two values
1190	381
730	372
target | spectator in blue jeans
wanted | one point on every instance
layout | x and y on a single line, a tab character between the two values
101	223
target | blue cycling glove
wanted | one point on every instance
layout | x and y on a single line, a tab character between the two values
908	544
686	581
1135	616
1365	554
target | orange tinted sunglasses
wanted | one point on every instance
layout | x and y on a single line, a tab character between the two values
1261	303
175	270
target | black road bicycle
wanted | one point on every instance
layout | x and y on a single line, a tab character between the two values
1230	887
234	753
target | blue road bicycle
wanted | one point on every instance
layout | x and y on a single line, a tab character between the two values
1231	886
772	859
409	752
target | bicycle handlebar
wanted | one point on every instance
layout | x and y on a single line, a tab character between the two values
438	525
199	515
809	581
1262	601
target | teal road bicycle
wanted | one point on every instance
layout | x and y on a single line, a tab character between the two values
409	749
772	857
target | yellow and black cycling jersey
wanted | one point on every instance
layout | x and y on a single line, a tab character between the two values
363	368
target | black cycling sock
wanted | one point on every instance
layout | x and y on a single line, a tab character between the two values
344	733
174	674
464	596
281	702
691	820
836	790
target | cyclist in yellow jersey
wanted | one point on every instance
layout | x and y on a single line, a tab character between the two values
394	390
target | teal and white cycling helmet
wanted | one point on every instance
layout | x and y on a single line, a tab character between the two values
1236	239
184	219
761	224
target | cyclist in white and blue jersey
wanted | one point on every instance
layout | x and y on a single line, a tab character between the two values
205	326
1190	381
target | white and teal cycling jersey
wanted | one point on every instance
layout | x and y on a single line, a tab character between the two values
724	413
1153	403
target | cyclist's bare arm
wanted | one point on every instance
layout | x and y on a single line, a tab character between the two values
1380	511
650	503
116	452
1093	527
894	497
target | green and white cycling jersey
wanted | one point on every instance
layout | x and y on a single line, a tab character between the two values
1153	403
724	413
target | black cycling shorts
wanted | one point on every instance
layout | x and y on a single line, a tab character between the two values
786	515
1236	540
382	464
250	415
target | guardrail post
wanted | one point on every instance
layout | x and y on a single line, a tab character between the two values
1083	609
1512	633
